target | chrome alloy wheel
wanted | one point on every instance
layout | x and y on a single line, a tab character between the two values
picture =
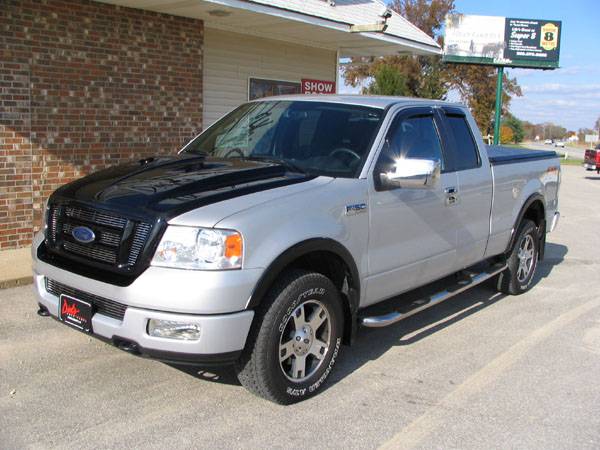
526	257
304	341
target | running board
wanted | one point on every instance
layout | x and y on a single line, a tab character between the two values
471	279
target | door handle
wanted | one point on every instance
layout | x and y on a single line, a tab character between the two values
451	196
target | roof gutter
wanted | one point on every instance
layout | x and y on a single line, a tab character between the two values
370	27
405	42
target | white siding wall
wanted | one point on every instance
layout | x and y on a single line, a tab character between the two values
230	59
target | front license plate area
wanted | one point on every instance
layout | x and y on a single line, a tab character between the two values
75	313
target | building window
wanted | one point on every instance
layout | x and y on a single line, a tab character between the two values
259	88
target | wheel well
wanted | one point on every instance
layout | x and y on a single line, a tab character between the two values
333	267
535	212
335	263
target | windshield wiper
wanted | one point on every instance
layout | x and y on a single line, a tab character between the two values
195	151
283	162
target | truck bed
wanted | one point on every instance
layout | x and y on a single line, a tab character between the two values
518	174
498	154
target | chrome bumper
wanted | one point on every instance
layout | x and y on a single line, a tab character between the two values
224	333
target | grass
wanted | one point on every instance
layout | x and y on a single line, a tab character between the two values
571	162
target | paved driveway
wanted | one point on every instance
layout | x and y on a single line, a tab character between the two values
481	371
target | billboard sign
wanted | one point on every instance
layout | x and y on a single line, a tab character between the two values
502	41
591	138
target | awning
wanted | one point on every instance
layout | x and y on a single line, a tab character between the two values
352	27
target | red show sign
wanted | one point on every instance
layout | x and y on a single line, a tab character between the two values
317	86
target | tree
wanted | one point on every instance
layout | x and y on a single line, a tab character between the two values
553	131
477	87
583	131
388	81
516	127
506	135
532	130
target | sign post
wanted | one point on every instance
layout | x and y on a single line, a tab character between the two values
498	110
501	42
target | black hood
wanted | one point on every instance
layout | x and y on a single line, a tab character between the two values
169	186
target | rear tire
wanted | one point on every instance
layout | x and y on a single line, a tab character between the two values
522	260
295	339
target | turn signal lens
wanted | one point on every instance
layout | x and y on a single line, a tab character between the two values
234	246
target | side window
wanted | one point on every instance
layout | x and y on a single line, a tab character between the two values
464	151
411	138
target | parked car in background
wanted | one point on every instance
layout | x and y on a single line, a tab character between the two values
283	227
592	159
548	142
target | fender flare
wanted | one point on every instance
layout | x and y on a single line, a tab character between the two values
530	200
298	250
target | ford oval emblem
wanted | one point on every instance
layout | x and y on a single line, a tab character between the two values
83	235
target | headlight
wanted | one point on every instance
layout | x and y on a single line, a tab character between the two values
199	248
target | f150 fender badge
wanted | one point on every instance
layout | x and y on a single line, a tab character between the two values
356	208
83	234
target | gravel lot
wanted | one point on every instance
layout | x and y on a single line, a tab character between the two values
481	371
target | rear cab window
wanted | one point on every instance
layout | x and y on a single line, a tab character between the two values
462	151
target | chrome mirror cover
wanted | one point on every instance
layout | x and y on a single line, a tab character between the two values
412	173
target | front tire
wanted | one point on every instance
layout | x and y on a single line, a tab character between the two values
295	340
522	260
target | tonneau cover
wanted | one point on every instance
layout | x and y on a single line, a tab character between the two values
497	154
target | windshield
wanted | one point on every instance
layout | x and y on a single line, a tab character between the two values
317	138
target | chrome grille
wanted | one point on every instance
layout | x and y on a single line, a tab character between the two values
100	305
53	215
142	230
95	252
119	241
89	215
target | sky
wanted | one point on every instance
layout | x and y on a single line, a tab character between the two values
568	96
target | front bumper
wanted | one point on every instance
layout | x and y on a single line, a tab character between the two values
165	294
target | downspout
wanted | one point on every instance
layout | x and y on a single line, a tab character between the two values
337	71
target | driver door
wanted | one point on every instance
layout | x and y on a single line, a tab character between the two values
413	231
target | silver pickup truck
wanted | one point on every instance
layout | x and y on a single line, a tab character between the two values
277	232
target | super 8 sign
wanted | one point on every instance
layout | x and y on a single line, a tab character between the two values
317	86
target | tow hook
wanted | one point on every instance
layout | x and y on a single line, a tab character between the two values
128	346
43	311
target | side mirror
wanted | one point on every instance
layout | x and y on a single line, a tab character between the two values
412	173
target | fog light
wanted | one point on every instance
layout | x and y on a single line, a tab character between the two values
173	330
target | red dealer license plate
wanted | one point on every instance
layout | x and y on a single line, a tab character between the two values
76	313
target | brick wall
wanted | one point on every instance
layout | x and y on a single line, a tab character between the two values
85	85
